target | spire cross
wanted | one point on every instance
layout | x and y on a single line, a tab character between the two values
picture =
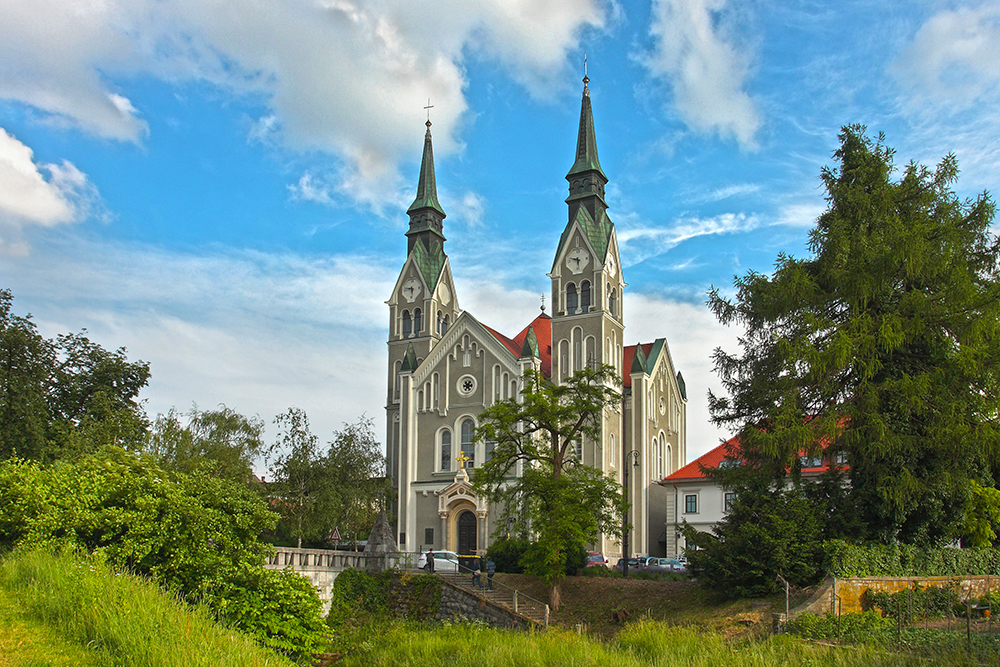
586	79
428	108
543	302
461	458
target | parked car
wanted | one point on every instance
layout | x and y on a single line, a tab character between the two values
595	558
665	565
633	563
444	561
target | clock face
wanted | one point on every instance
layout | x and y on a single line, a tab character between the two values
444	293
577	259
611	265
411	290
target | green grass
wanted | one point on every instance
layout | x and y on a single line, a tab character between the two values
73	610
641	644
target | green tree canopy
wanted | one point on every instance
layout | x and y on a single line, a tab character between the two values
533	475
316	490
64	397
883	345
222	442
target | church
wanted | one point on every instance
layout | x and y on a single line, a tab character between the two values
445	367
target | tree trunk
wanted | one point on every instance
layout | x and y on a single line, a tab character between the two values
555	597
300	542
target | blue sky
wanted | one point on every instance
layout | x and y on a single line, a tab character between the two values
221	187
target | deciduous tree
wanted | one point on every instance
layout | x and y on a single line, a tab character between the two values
533	475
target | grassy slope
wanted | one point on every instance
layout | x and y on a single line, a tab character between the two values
74	611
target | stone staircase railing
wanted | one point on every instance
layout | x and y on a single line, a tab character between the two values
502	595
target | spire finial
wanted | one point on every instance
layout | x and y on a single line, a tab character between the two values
543	302
428	108
586	79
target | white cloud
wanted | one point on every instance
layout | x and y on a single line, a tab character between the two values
952	58
28	197
348	77
800	215
640	242
258	332
707	71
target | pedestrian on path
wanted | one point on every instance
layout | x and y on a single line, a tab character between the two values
477	579
491	569
430	561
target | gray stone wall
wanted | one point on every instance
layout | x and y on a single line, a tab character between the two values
459	605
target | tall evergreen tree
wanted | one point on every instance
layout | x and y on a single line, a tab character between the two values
883	346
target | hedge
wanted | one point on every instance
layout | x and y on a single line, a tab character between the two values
904	560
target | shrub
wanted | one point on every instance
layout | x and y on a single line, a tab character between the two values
905	560
507	553
854	627
913	603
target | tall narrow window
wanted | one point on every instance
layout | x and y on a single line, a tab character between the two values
612	451
585	296
444	325
407	324
445	450
468	447
416	322
490	446
571	299
440	319
613	303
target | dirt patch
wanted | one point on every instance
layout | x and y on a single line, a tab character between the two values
595	605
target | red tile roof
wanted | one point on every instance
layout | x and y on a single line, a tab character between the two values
628	354
712	459
543	334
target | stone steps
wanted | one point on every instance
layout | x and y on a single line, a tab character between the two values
502	597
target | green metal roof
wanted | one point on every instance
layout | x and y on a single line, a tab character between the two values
598	232
639	360
530	347
427	185
409	360
683	387
586	141
430	262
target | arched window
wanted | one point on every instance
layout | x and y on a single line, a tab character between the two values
396	382
407	324
613	302
416	322
585	296
468	447
571	300
444	325
445	450
439	322
612	452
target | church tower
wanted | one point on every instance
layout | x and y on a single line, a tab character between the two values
587	283
423	303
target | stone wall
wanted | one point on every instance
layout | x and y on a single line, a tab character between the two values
850	590
321	566
457	604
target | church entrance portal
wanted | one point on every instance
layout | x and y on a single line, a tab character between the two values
466	533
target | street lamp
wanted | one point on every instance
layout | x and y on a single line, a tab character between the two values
634	455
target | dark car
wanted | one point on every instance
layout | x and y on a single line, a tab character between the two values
633	563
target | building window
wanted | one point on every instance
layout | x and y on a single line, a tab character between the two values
571	299
467	385
691	503
490	446
445	450
613	303
428	536
612	452
468	446
407	324
585	296
416	322
727	500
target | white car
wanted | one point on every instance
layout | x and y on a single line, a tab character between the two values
444	561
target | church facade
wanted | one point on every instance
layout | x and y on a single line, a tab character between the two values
446	367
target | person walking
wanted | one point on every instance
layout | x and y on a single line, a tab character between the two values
430	561
477	572
491	569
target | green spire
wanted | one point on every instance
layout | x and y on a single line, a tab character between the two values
409	360
639	360
586	141
682	386
427	185
530	347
